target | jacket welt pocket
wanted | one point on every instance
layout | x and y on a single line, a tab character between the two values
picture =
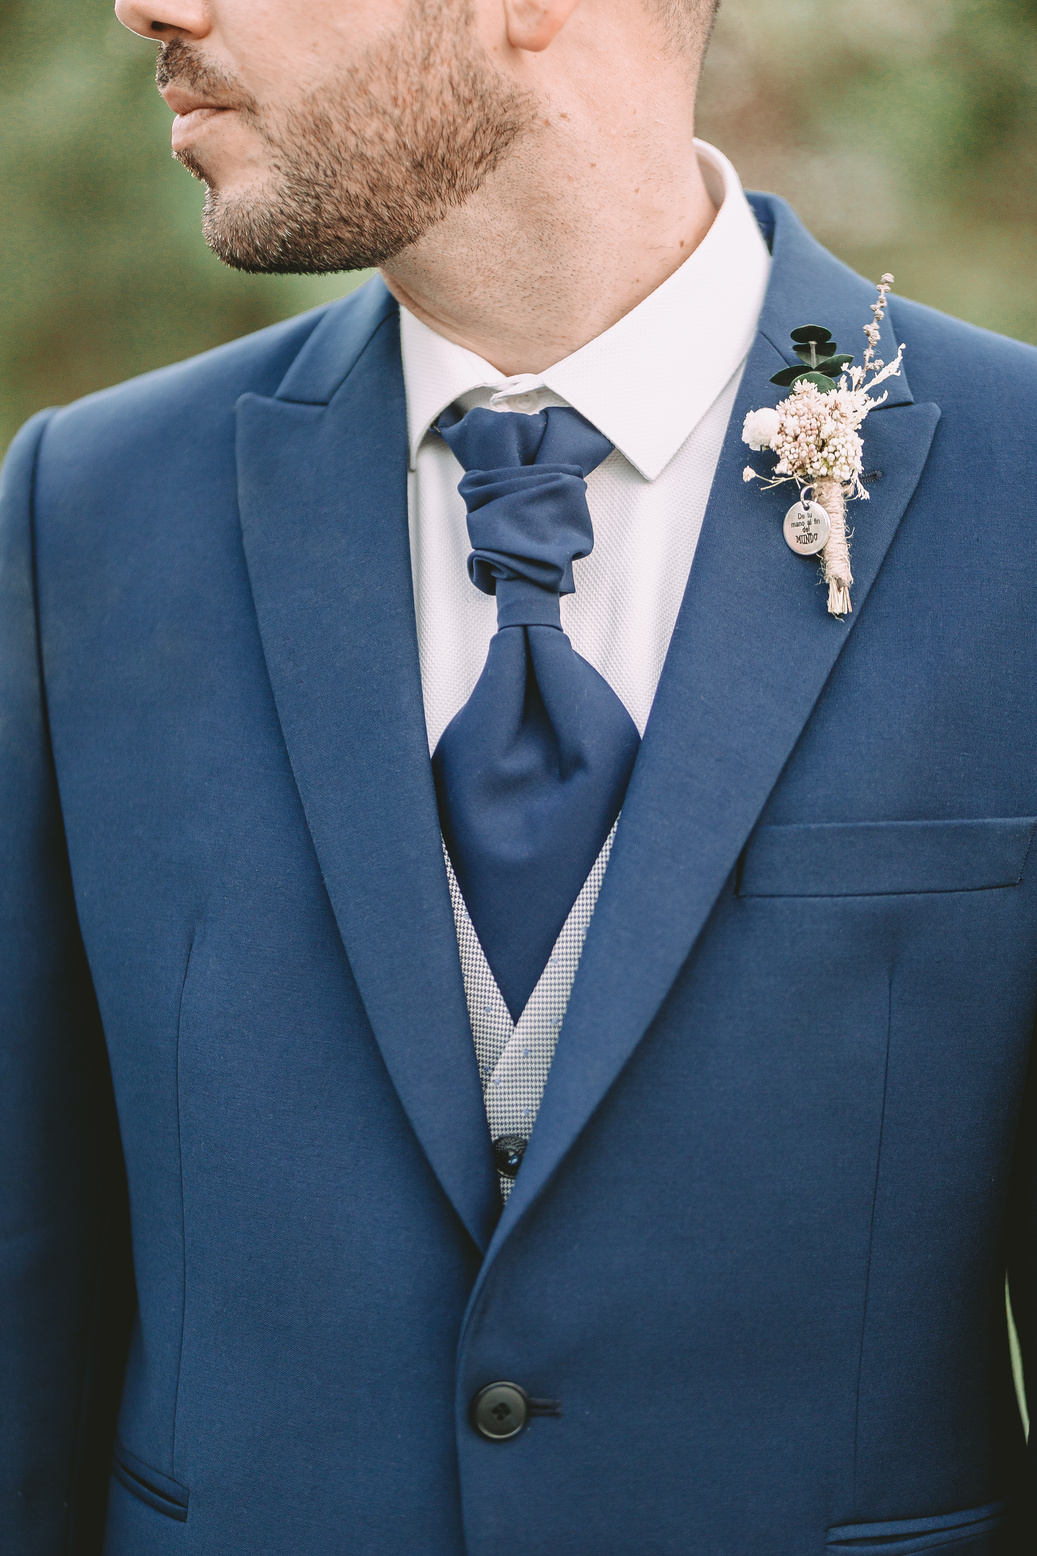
158	1491
884	858
975	1532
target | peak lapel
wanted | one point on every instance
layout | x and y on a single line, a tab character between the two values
751	651
322	473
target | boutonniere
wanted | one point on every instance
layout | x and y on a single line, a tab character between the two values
815	433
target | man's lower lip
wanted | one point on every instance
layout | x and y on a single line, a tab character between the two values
185	125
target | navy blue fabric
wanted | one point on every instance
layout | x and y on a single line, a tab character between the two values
873	858
911	1534
531	772
757	1245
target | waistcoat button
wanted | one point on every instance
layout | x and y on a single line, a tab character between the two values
507	1153
500	1410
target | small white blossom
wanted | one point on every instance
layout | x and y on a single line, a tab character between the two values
814	432
816	435
761	428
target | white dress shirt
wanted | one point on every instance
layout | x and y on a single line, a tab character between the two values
660	384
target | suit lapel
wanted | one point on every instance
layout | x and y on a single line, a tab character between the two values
322	472
322	483
751	651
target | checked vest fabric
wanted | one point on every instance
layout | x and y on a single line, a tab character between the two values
514	1057
531	773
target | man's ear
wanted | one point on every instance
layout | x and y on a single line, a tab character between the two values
533	24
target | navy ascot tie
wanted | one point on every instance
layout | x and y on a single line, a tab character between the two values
530	774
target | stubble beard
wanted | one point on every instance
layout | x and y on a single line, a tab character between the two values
363	167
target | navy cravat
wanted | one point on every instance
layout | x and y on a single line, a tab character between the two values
531	773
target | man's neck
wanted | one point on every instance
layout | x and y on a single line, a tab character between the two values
557	245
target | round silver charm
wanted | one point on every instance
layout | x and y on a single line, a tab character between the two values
807	528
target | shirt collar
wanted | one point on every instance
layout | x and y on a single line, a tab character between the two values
647	381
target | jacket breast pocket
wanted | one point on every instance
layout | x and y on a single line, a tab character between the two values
980	1531
884	858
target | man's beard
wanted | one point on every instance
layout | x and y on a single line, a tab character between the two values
366	165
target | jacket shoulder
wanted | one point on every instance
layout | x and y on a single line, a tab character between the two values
961	365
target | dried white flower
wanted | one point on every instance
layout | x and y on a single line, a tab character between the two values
815	434
761	428
817	437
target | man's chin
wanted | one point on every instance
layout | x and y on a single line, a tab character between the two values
246	229
194	165
222	190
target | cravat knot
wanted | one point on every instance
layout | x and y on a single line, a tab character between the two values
530	774
526	494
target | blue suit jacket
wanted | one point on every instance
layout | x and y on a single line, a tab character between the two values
757	1247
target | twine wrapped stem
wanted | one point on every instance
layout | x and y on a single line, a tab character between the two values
835	558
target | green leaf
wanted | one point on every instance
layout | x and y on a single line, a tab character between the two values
822	373
813	356
788	375
813	332
834	365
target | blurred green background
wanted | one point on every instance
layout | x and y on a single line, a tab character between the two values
904	132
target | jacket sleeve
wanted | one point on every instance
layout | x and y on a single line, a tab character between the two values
65	1289
1021	1251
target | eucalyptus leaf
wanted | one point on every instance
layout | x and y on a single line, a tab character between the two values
788	376
817	353
833	366
813	332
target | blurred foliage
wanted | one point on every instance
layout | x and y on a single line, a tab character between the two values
904	132
103	271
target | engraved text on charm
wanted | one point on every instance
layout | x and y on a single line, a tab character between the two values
807	528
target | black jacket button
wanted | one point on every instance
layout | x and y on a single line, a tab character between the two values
507	1153
500	1410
